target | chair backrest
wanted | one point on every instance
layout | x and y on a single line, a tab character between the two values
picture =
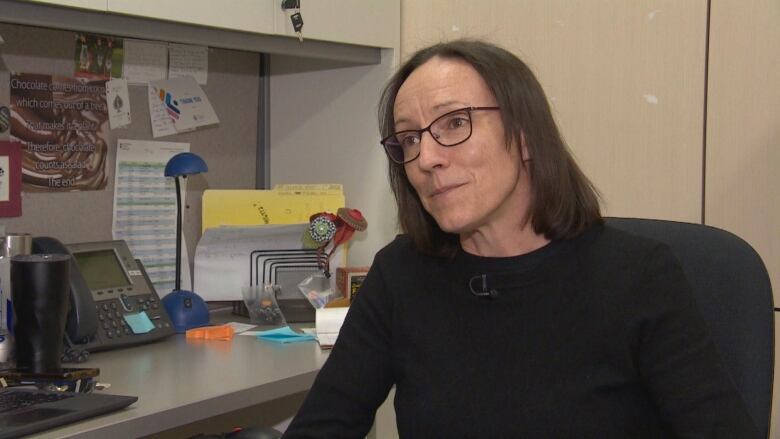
732	290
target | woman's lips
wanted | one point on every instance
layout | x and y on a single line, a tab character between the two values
445	190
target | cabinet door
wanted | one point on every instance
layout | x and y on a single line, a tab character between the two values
375	23
243	15
98	5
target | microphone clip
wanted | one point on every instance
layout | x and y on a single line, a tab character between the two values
482	289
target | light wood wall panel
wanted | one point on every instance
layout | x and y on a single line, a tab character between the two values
625	78
743	126
743	133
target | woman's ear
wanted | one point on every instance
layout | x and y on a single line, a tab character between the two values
525	156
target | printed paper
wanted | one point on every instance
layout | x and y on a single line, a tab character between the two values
62	124
98	57
162	124
145	61
187	60
145	209
185	103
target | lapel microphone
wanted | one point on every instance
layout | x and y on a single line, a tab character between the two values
482	290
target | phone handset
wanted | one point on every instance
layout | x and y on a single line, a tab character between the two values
82	317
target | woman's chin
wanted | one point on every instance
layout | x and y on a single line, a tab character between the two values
453	225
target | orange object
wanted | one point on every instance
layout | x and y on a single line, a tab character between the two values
222	332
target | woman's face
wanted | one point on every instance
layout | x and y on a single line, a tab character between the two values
476	186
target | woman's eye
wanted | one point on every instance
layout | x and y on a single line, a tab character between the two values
409	140
457	122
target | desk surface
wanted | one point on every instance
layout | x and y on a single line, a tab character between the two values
180	381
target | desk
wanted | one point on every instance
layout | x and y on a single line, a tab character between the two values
179	381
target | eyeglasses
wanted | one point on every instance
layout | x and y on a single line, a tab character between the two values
449	129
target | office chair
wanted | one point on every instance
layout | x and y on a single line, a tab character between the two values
732	290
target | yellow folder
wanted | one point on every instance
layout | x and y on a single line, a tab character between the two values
284	204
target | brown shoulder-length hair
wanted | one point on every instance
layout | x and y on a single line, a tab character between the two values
564	202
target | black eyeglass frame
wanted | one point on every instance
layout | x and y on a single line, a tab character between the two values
420	132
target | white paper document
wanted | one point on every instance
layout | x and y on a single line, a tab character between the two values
144	61
239	328
227	258
183	101
118	100
162	124
145	209
328	323
188	60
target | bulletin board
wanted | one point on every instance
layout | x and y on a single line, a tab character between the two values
230	148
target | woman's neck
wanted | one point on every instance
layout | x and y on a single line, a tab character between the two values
493	243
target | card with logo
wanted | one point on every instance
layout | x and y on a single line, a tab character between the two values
185	102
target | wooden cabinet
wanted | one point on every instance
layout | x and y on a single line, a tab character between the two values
243	15
368	23
371	23
364	22
97	5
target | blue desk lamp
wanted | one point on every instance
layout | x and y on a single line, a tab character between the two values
186	309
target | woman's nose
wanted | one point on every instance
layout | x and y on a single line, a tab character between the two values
432	154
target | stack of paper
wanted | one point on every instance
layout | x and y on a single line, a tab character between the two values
229	258
328	324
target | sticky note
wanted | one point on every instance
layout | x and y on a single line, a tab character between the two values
283	335
139	323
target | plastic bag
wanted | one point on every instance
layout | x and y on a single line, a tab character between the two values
260	301
317	290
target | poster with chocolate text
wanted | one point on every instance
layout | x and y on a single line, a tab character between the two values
62	124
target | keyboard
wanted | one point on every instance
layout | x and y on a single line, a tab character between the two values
26	410
14	399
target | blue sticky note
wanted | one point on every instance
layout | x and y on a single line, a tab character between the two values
139	323
283	335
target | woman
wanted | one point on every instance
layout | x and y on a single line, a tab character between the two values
508	309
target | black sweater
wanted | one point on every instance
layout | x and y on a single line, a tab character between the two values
591	337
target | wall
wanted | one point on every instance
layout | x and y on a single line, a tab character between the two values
334	138
625	80
743	133
229	149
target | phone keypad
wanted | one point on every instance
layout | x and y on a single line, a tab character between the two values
111	322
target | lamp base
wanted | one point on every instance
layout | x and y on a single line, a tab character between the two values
186	309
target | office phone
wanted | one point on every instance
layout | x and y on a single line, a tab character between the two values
106	285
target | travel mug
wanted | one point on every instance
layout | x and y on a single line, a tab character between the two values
10	245
39	287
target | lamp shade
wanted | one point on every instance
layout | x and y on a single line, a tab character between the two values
185	163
